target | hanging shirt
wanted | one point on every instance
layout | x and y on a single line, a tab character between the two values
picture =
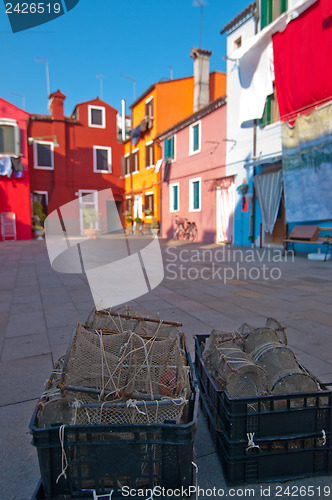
5	166
17	164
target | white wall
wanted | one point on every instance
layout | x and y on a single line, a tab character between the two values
237	153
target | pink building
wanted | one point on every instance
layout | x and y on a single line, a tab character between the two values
193	177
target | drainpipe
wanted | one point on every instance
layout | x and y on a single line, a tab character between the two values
254	151
157	142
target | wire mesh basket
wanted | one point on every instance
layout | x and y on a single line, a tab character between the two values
236	372
285	374
125	320
112	377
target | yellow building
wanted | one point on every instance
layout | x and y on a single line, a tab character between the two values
157	109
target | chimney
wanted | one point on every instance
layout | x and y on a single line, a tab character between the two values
56	105
201	77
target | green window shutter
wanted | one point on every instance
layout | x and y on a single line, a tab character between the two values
196	195
175	198
266	118
172	147
166	149
283	6
263	13
196	137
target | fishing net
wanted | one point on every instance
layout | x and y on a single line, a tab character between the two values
236	372
255	361
125	320
113	377
125	364
285	374
75	408
219	337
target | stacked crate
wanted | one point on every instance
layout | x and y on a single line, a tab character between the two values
266	438
94	438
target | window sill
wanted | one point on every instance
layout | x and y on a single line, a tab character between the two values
96	126
191	153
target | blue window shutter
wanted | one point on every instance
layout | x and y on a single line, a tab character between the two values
172	147
166	149
175	198
196	137
196	195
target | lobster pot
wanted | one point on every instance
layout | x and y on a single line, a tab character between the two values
127	320
220	337
285	375
125	364
236	372
80	408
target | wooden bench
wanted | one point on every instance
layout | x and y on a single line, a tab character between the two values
309	235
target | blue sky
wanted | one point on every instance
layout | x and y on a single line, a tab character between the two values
137	38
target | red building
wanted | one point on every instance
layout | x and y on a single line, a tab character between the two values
74	156
14	174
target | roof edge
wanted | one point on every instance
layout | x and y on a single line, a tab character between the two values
251	9
209	108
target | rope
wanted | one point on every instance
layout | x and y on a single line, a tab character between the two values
76	404
64	461
324	437
132	403
251	442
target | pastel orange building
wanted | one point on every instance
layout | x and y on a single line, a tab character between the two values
161	106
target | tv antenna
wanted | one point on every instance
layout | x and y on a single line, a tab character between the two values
200	3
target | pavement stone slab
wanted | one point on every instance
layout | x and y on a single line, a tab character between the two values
25	346
25	323
20	469
23	379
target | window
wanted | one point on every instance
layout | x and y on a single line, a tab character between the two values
149	155
97	116
195	138
238	43
149	205
271	9
169	148
271	110
9	137
102	159
134	161
195	195
43	155
174	197
125	165
149	107
129	205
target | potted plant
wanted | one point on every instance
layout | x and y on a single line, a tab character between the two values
138	225
91	219
38	219
154	226
148	212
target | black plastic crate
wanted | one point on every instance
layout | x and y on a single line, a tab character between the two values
103	457
274	459
266	416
